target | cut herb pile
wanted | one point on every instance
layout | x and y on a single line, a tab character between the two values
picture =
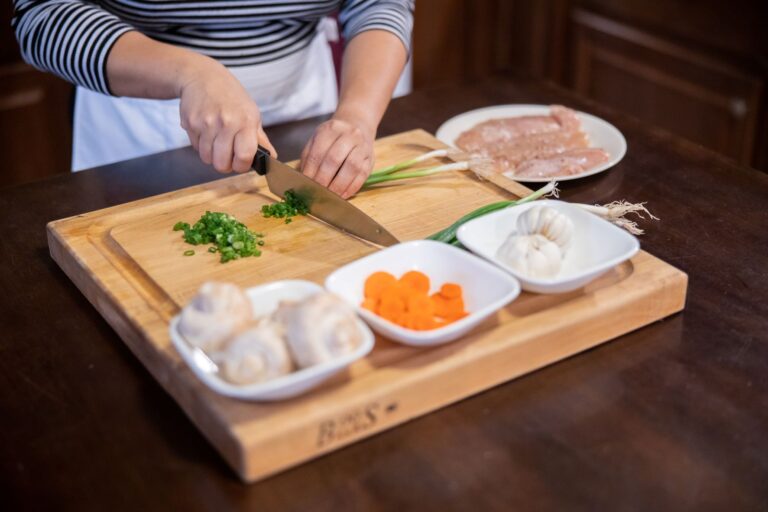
229	237
291	206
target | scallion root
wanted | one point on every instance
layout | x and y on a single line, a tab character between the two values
616	212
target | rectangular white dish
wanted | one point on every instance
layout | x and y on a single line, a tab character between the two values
597	245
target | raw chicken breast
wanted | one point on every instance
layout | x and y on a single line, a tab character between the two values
574	161
515	152
566	117
497	131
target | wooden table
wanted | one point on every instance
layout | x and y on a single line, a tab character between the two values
674	416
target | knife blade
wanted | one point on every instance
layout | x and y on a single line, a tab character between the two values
322	203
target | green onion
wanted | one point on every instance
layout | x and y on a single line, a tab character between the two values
382	177
231	238
290	206
448	235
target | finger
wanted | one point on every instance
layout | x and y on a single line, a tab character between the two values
352	166
264	142
334	158
205	146
359	180
222	151
245	145
194	138
323	139
305	153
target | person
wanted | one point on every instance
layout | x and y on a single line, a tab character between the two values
155	75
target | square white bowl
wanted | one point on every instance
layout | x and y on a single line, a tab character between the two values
597	245
264	300
486	288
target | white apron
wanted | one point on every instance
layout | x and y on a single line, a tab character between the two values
109	129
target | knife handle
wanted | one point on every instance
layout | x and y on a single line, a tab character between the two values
260	160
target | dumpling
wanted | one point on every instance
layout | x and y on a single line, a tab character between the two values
532	255
256	354
319	329
217	312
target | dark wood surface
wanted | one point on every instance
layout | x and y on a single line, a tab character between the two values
671	417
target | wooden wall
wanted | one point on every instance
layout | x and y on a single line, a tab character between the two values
696	68
35	115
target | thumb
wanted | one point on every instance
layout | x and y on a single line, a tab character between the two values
264	141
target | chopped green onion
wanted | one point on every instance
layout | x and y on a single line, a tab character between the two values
231	238
289	207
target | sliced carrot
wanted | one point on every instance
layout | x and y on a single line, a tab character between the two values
371	304
457	316
423	322
417	280
455	306
450	291
421	304
391	306
440	305
406	301
377	283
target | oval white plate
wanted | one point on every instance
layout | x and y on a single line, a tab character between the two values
486	288
265	300
597	245
602	134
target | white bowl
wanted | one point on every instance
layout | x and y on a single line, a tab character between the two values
597	245
265	300
601	133
486	288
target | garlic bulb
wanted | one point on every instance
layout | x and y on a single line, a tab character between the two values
531	255
319	329
214	314
548	222
256	354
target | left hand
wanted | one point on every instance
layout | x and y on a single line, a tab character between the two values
340	154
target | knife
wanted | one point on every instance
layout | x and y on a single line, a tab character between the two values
322	203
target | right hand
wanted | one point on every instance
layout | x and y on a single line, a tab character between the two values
221	119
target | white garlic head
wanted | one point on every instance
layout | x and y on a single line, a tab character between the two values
319	329
214	314
256	354
531	255
548	222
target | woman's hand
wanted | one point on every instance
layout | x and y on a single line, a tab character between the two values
221	119
340	154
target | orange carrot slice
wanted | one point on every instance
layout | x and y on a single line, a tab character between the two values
417	280
450	290
377	283
440	305
421	304
371	304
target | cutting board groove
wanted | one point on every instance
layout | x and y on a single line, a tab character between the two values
128	263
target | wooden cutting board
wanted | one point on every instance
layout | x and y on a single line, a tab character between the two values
129	263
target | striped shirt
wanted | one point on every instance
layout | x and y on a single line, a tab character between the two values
72	38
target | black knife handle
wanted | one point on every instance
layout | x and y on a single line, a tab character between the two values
260	160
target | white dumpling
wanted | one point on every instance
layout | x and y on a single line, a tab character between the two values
217	312
256	354
548	222
531	255
319	329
